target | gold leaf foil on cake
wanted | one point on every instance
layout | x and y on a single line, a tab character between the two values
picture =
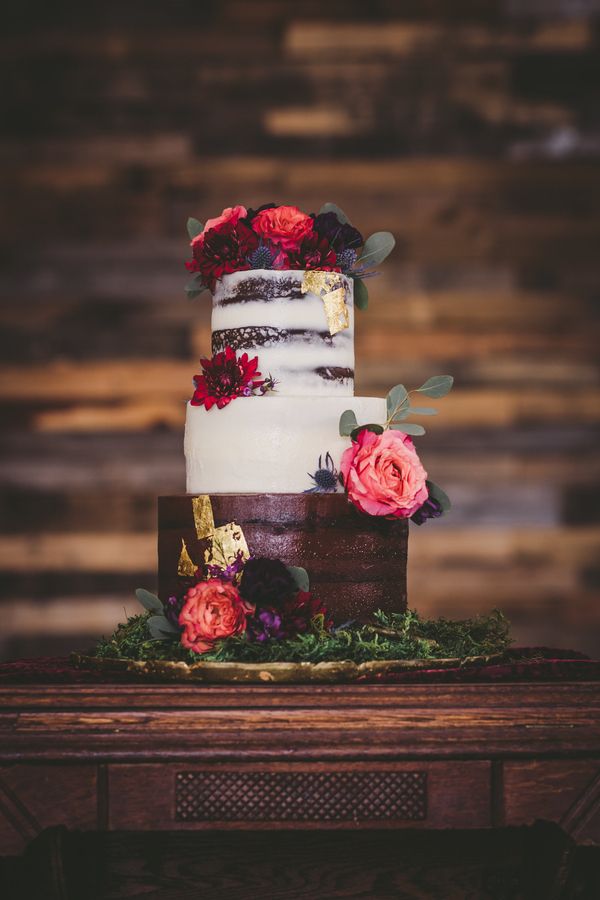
331	287
203	516
336	310
186	567
225	544
319	283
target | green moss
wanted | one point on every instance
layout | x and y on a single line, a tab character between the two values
391	636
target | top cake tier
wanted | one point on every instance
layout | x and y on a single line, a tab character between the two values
266	314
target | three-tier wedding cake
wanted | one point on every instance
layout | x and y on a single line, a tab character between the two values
287	471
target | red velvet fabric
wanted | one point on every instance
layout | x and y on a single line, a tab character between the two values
520	664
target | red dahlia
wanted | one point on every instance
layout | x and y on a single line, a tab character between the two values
224	378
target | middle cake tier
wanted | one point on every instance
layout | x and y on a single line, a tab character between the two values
271	314
268	444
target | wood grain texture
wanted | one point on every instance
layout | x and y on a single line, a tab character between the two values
180	758
468	129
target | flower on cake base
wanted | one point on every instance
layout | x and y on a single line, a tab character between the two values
431	509
267	582
383	474
212	610
224	378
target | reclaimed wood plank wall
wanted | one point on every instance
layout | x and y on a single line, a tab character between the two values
469	129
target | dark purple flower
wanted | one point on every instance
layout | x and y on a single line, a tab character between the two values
264	625
325	478
172	608
341	236
431	509
230	572
267	582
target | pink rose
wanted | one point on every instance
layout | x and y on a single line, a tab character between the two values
383	474
285	226
231	215
212	610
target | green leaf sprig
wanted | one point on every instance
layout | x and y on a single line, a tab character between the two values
399	409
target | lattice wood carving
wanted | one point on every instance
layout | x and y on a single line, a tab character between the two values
300	796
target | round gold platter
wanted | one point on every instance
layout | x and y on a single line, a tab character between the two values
268	673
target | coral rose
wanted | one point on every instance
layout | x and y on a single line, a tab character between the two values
212	610
285	226
383	474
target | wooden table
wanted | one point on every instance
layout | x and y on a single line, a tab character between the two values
182	758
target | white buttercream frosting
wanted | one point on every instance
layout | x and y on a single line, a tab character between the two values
268	444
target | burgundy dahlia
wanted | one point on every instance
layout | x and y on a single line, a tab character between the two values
314	252
267	583
224	378
299	612
222	250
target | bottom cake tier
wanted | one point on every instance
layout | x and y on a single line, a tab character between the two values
356	563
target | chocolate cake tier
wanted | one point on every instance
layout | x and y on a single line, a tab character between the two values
356	563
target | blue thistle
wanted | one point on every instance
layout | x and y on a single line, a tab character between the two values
261	258
325	478
346	259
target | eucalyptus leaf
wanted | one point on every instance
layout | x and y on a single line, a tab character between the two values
377	248
436	493
195	287
422	411
149	601
194	228
361	294
396	397
331	207
160	628
376	429
300	577
437	386
348	422
408	428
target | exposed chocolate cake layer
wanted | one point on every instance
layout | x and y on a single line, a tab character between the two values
250	336
255	287
356	563
335	373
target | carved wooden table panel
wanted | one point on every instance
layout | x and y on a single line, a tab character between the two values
186	758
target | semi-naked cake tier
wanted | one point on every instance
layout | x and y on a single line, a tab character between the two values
268	444
264	313
356	563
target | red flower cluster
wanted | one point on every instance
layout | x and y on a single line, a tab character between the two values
273	237
226	377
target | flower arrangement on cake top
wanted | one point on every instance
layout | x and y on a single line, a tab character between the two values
283	237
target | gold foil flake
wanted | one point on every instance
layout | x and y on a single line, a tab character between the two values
226	542
185	566
203	516
319	283
331	287
336	310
